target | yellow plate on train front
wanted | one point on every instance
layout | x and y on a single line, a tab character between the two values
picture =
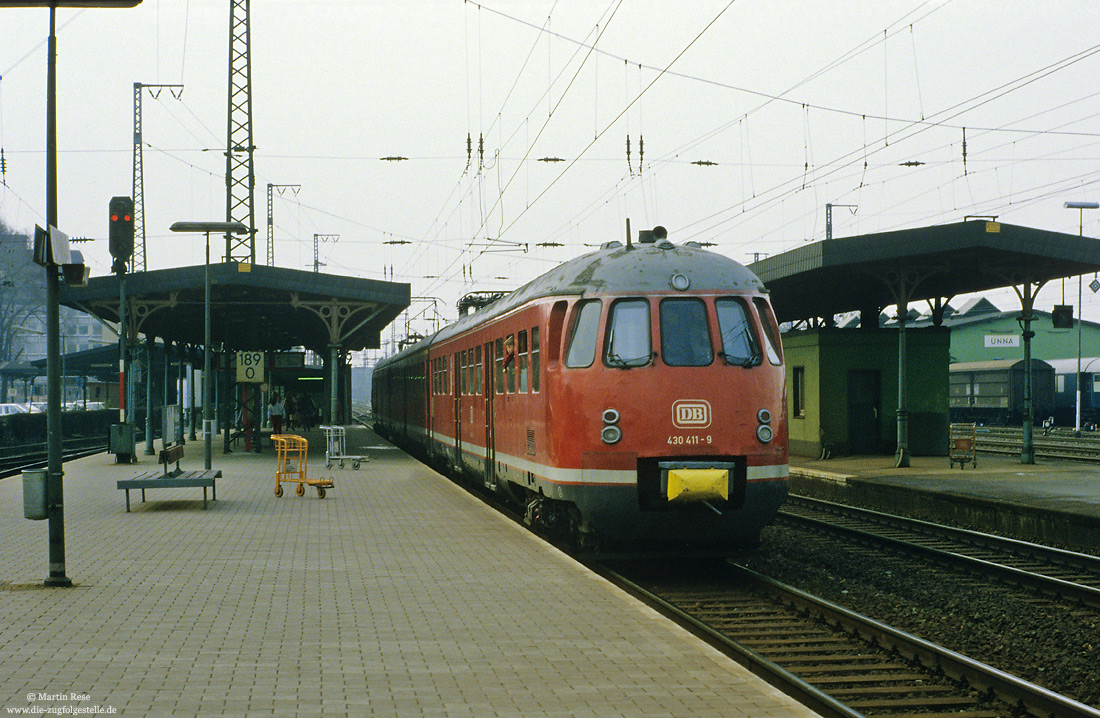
698	484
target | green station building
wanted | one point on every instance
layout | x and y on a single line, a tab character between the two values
868	386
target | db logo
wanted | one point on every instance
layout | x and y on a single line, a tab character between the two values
691	414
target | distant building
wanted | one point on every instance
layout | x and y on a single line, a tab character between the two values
980	332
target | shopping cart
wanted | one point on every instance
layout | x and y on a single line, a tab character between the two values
962	445
336	449
292	451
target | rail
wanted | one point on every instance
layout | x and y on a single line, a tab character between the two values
1054	572
836	661
1057	444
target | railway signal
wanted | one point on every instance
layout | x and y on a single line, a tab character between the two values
121	236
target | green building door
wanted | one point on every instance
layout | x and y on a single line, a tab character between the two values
864	400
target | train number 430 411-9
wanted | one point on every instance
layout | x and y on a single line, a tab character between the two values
689	440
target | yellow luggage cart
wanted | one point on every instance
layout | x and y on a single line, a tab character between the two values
292	451
962	445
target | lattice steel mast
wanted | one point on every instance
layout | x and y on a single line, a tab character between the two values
240	172
137	260
271	217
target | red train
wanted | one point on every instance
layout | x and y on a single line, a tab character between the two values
629	399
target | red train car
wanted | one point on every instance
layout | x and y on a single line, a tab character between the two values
630	399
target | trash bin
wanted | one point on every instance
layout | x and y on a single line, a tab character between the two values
121	443
35	505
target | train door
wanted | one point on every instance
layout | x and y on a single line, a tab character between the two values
864	410
490	392
459	383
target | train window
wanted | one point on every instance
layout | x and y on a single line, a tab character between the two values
685	334
582	343
510	363
772	346
738	342
535	359
628	340
521	350
498	363
477	370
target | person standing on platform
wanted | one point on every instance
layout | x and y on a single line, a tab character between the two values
276	411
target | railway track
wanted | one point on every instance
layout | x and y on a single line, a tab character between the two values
837	662
1059	444
1054	572
20	459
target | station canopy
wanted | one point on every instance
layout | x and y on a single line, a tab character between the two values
870	271
253	307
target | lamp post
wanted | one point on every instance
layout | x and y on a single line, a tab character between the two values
207	368
1080	207
54	485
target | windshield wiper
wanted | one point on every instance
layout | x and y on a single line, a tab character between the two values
747	362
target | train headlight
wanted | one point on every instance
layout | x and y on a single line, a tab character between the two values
679	282
764	432
611	434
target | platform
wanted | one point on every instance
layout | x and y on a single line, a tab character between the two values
1050	501
398	594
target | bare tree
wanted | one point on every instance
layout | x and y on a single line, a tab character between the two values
22	291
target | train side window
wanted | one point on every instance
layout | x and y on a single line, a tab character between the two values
478	366
773	348
553	338
685	333
498	364
535	359
628	341
739	344
510	363
582	342
521	351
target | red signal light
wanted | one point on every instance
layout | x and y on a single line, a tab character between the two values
114	217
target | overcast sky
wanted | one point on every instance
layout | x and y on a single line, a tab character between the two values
796	104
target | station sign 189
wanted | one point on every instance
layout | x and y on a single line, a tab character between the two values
250	367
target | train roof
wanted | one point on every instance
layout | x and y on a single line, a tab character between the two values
994	364
617	269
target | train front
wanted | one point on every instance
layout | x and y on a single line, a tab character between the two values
670	402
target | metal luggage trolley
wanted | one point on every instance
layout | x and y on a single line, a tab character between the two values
292	451
962	445
336	450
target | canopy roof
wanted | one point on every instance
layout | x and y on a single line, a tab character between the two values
253	307
865	272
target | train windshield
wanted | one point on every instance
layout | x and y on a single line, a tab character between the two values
628	342
738	343
685	334
582	343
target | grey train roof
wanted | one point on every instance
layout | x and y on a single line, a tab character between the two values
640	268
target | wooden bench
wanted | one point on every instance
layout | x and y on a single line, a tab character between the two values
171	478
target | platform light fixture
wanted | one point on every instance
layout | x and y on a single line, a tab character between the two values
1080	207
207	367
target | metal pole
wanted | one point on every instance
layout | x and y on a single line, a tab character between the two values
901	456
1027	451
150	346
207	365
334	374
1080	313
55	473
